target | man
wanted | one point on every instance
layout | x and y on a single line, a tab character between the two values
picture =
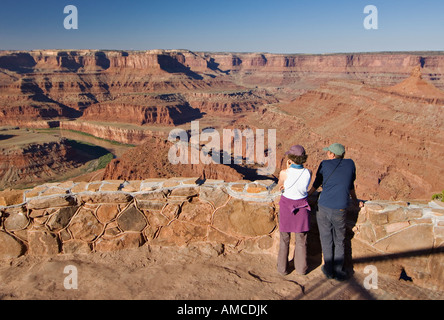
337	176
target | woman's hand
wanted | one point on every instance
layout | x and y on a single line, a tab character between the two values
282	178
289	163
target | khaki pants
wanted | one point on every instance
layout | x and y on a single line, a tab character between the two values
300	253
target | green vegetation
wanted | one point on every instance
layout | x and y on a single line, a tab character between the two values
438	196
53	130
98	138
90	151
104	160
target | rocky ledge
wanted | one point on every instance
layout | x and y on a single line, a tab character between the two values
102	216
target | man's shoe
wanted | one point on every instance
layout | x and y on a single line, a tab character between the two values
341	275
329	275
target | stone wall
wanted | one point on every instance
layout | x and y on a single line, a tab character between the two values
112	215
101	216
406	238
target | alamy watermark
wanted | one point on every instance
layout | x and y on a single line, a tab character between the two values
189	150
71	280
71	21
371	21
371	281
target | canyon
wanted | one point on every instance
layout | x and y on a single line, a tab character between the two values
386	108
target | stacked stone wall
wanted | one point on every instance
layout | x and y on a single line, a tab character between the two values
103	216
406	238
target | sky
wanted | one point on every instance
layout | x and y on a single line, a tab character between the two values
277	26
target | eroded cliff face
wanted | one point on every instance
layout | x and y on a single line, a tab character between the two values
150	159
389	119
36	163
65	84
396	139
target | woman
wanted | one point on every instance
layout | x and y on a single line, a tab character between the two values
294	212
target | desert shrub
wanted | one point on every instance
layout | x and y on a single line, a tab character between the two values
438	196
104	160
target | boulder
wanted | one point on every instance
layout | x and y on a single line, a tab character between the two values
197	212
51	202
43	243
60	219
244	218
180	233
76	247
413	238
16	221
10	247
108	197
184	192
107	212
131	219
127	240
217	196
85	226
11	197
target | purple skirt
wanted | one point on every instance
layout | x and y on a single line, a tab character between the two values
294	215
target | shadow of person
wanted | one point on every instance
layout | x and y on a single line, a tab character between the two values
352	214
314	249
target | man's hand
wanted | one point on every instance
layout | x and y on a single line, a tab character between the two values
357	202
310	192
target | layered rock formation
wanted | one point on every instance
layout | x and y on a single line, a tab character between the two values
150	160
395	139
416	88
112	132
36	162
31	157
54	84
365	101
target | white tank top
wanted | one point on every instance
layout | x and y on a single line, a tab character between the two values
296	184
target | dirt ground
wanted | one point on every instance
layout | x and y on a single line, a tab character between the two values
190	273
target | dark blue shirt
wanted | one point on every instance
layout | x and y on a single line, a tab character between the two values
336	183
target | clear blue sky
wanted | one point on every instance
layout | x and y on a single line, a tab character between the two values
278	26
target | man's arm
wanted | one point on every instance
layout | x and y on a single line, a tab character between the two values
353	191
355	198
318	181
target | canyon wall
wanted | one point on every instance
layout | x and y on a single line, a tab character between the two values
370	102
110	132
102	216
48	84
183	60
36	162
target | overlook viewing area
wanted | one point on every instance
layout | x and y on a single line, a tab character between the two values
222	230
